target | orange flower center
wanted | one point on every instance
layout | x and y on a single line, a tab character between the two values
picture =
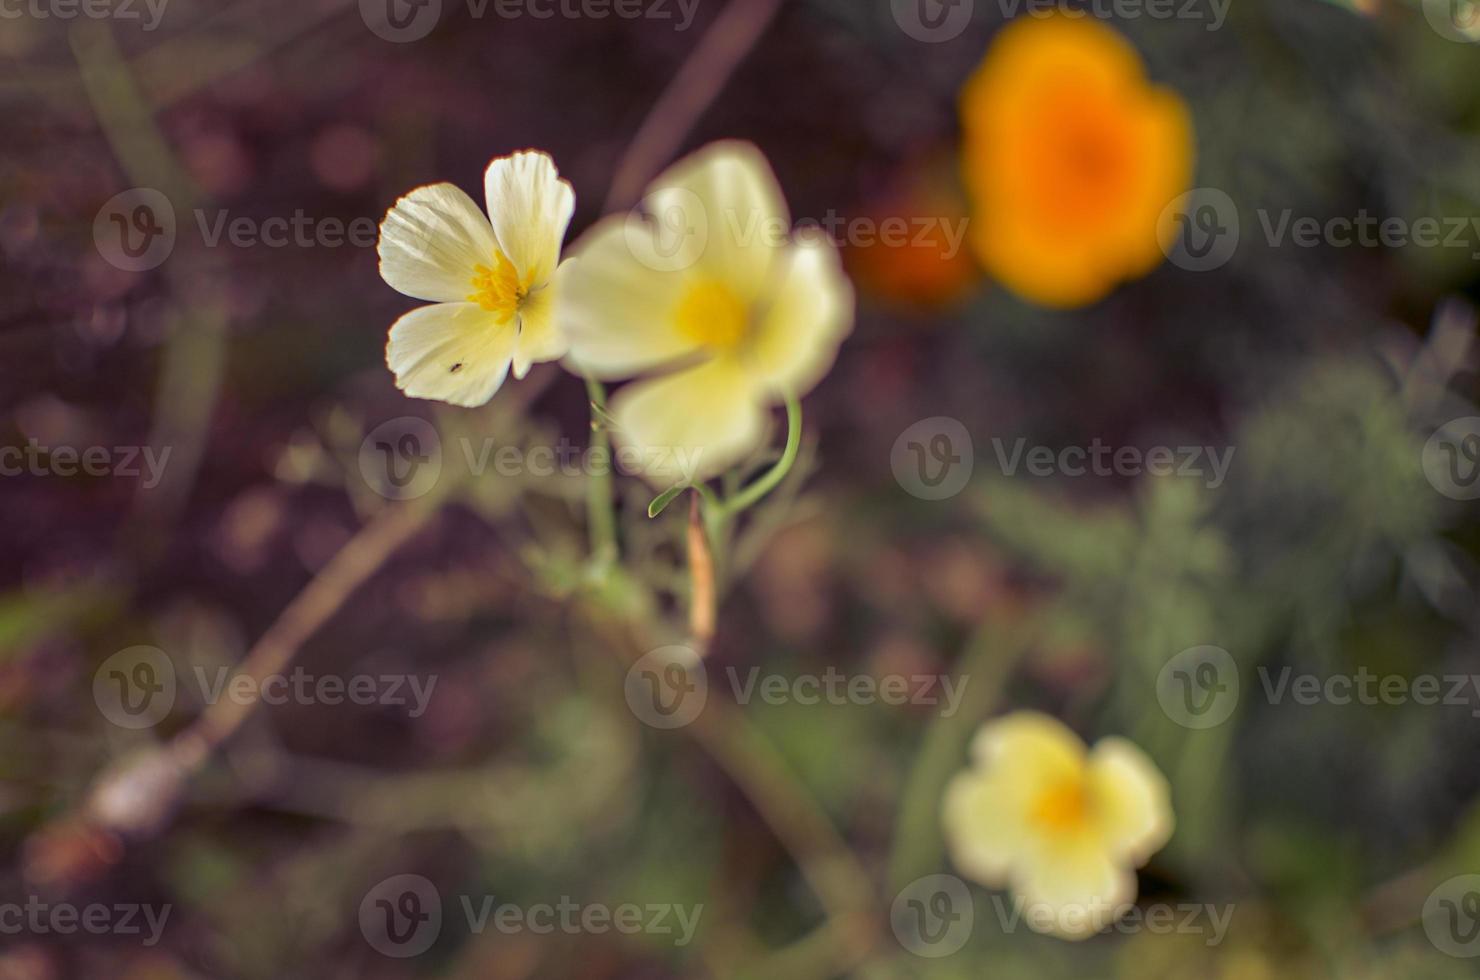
1063	807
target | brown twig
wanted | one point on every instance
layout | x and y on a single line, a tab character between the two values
708	67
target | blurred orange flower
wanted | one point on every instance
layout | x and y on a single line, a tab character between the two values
1070	155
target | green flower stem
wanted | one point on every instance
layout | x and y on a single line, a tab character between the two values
601	520
777	473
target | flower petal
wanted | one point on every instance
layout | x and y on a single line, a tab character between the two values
985	835
1131	800
540	338
1030	740
530	208
617	312
1074	891
810	312
431	240
451	352
689	424
727	194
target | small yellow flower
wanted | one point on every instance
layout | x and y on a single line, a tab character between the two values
1063	827
493	279
1070	157
728	310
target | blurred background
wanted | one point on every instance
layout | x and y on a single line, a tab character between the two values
185	424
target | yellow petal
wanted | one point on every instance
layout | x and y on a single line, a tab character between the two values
690	424
1031	741
530	208
1131	800
727	197
810	312
450	352
431	241
984	834
1073	891
617	312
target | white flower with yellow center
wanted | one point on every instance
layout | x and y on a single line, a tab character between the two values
1063	827
732	316
493	279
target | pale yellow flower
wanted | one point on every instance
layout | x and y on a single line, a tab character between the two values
493	279
724	306
1063	827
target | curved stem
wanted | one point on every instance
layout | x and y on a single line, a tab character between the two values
777	473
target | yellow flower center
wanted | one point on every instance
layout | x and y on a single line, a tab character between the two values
500	290
711	315
1063	807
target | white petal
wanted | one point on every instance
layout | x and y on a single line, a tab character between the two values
430	242
1131	800
452	352
810	311
726	196
618	313
530	208
689	424
540	338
